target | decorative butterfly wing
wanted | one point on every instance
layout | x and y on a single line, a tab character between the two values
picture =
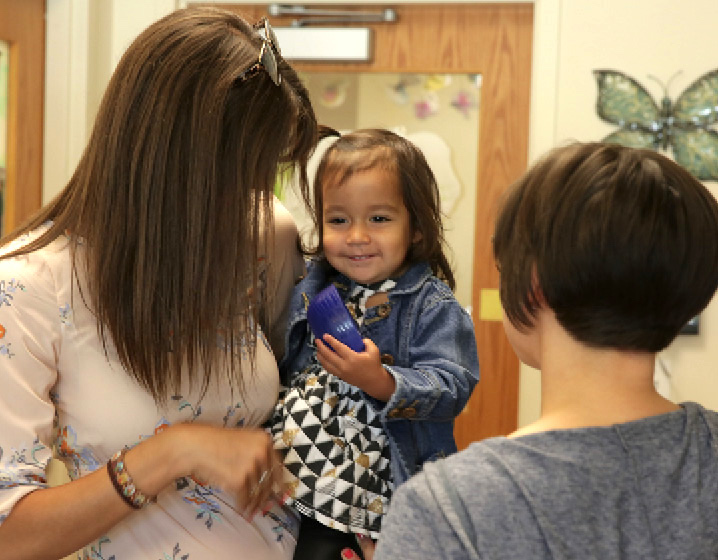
698	104
633	138
626	103
697	150
685	125
696	146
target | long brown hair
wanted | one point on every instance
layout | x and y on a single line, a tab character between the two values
172	197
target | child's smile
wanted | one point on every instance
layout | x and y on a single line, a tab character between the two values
367	228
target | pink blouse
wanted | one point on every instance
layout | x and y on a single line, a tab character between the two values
60	390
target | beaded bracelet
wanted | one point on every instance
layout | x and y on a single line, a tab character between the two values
123	483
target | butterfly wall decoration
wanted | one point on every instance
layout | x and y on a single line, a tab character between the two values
688	126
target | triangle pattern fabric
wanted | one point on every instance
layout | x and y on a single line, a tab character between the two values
336	453
338	469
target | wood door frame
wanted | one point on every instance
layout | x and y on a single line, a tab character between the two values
497	43
22	25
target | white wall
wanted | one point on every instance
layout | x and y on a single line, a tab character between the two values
571	38
639	37
84	41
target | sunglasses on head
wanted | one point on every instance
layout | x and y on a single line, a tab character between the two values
267	60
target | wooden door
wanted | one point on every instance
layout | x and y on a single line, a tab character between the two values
493	40
22	26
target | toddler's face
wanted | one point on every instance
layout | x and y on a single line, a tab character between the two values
367	228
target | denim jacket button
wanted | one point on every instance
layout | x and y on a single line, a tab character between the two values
387	359
394	413
409	412
383	310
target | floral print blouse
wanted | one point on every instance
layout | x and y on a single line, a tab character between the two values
60	390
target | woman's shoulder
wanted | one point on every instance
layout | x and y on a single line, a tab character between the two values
282	253
284	224
41	266
23	239
470	471
698	413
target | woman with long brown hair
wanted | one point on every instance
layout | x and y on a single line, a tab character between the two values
142	310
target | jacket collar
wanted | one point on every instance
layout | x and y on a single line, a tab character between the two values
407	283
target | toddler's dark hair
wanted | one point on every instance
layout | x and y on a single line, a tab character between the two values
378	148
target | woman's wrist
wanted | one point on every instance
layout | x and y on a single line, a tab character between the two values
157	462
124	483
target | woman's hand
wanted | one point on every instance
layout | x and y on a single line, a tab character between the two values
71	515
361	369
240	461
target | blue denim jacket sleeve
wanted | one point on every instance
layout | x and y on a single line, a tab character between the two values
439	344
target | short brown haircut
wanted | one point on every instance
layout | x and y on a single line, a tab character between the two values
621	243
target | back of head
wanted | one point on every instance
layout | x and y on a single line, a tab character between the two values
379	148
619	242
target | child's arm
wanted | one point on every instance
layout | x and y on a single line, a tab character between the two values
361	369
443	371
443	365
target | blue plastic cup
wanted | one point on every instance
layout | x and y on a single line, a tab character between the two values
327	314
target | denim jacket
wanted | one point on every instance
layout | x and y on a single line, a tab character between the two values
427	343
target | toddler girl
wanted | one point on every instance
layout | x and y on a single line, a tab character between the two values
354	425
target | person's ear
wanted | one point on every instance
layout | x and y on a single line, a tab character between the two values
537	295
416	237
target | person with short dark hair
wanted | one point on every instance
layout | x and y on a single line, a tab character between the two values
604	254
143	310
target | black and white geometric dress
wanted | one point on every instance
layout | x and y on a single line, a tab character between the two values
336	453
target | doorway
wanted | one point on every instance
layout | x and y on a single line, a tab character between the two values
22	32
494	41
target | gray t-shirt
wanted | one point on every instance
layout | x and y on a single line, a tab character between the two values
642	490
